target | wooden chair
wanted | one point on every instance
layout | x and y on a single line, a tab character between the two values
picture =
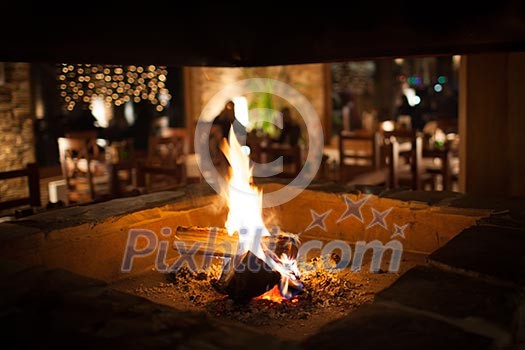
359	153
291	156
82	134
86	173
122	165
180	134
405	163
33	182
444	168
169	148
166	161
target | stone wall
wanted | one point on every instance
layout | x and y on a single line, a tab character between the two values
16	127
67	238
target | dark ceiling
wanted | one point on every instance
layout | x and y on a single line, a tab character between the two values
219	37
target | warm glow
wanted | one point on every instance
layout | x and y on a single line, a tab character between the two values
245	215
411	96
440	137
115	84
241	110
129	113
456	60
273	295
244	200
388	125
99	111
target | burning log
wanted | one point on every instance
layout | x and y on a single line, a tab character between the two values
260	259
245	278
215	241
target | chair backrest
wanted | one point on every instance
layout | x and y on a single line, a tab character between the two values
33	182
359	150
169	148
77	148
121	162
72	151
292	157
166	160
84	134
179	134
120	151
413	153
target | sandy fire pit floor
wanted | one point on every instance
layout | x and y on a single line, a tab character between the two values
326	296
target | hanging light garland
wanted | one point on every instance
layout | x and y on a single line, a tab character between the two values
81	83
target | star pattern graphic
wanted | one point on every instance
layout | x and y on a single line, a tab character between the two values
353	208
379	218
399	231
318	220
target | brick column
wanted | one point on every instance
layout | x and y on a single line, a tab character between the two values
16	126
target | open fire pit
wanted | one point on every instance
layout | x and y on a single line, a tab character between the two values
262	261
251	271
330	261
327	295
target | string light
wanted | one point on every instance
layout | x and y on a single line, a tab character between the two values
82	83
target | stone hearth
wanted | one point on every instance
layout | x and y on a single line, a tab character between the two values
59	268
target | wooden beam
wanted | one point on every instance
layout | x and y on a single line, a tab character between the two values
189	112
462	124
319	34
491	124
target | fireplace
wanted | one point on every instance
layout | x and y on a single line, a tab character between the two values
399	269
66	270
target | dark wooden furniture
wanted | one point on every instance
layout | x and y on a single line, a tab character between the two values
84	169
94	175
166	161
404	153
33	182
446	155
122	165
264	150
291	157
359	153
84	134
169	148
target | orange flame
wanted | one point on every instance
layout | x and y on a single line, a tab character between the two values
245	216
273	294
244	200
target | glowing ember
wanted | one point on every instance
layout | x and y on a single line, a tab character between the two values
245	219
273	294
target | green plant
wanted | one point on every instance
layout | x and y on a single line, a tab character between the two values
264	101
